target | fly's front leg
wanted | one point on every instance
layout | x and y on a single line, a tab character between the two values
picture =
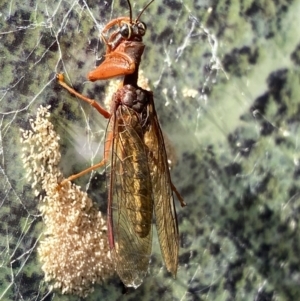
92	102
103	112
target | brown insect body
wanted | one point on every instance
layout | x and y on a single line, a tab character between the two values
130	202
139	178
139	182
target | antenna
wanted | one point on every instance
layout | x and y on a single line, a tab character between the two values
130	10
141	11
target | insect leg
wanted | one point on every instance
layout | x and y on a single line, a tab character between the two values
78	175
179	197
92	102
96	166
114	22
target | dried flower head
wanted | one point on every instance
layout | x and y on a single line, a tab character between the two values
74	250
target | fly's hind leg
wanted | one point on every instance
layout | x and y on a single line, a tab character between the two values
179	197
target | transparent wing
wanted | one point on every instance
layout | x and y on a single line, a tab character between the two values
130	206
164	208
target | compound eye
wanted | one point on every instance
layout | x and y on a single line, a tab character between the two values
142	27
125	31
